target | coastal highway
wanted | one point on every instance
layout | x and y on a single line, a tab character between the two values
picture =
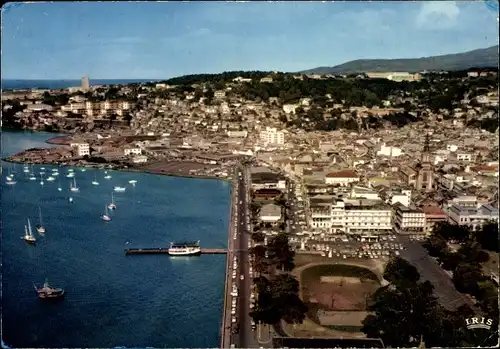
245	337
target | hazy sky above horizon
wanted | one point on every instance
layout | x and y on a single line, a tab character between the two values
154	40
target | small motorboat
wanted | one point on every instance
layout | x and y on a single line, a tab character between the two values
48	292
9	178
70	175
10	182
32	177
119	189
107	177
70	200
26	169
132	181
51	179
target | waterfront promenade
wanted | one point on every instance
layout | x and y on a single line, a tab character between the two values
226	312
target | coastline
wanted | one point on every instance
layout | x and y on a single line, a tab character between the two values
138	170
59	140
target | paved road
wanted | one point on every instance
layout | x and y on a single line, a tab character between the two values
430	270
245	337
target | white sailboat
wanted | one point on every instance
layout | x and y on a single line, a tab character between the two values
105	216
59	185
95	182
70	175
132	181
112	205
73	186
119	189
51	179
32	174
39	227
10	182
41	179
28	234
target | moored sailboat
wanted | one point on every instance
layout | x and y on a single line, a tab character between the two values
39	227
95	182
112	205
48	292
28	234
73	186
105	216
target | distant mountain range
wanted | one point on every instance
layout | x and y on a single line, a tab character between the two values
485	57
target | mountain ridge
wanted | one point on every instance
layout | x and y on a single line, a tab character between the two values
479	58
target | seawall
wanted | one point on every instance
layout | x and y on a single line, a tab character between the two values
225	326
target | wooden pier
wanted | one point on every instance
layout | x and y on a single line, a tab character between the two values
165	251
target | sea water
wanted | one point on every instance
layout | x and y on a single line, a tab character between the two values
111	299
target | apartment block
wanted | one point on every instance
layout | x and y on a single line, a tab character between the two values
272	136
408	221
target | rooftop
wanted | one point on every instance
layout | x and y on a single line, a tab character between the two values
342	174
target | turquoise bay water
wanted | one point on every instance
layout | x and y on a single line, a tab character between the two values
112	299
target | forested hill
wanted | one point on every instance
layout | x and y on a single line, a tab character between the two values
486	57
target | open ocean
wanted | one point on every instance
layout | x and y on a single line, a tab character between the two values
111	299
8	84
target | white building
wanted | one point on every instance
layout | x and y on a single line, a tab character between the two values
140	159
289	108
361	219
358	192
82	149
270	213
272	136
342	178
408	221
39	107
237	134
465	157
389	151
352	217
220	94
474	217
136	151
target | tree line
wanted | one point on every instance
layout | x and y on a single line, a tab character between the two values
277	291
466	262
406	312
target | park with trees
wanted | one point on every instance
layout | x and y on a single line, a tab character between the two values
277	290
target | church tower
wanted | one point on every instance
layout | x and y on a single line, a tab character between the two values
425	178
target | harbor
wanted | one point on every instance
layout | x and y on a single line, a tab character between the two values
78	246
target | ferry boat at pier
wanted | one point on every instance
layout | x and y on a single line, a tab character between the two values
191	248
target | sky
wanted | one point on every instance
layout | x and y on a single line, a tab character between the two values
160	40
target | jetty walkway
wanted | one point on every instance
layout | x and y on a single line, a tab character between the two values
165	251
